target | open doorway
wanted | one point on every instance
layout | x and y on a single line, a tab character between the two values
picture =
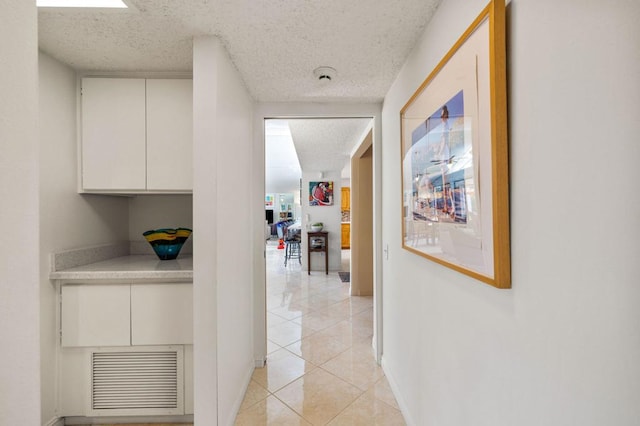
305	157
305	290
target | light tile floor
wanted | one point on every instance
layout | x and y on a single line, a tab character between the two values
140	424
320	366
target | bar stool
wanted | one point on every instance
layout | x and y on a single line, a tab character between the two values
292	249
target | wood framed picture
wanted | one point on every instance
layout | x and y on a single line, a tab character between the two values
455	173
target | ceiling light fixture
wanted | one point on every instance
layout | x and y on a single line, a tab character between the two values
82	3
324	73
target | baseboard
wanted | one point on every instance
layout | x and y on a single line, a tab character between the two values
55	421
396	393
126	419
239	398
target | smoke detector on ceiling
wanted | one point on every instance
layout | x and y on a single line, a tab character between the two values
324	74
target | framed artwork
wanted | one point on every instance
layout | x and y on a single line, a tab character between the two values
321	193
455	182
268	200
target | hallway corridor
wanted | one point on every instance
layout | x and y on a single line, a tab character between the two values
320	365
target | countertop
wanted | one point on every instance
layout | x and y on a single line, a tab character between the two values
132	267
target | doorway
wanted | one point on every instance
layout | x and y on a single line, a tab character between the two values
319	151
311	168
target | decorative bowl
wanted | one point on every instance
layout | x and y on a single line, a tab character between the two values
167	242
316	228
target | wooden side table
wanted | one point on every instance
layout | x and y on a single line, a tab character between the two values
324	248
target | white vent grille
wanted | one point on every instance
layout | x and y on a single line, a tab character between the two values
135	381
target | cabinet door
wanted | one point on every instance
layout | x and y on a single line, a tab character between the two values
346	198
96	315
169	135
113	134
162	314
346	235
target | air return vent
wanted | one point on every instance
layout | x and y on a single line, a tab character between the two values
136	382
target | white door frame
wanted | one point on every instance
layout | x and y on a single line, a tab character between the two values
265	111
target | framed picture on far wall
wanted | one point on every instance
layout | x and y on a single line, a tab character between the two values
321	193
455	182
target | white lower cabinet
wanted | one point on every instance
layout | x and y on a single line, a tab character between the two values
96	315
161	314
126	349
127	314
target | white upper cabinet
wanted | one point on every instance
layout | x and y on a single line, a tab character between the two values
136	135
113	134
169	135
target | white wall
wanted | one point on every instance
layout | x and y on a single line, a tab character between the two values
235	303
67	219
562	346
223	300
288	198
157	211
330	216
346	181
19	279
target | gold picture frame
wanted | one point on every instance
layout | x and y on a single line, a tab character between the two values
454	157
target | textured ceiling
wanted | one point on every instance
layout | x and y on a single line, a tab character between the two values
313	145
324	145
275	44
